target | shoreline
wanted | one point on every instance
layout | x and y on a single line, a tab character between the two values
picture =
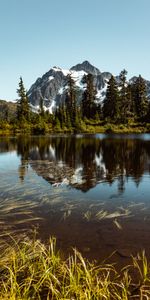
108	128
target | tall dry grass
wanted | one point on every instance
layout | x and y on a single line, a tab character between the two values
31	270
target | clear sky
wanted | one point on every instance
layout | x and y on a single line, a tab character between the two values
38	34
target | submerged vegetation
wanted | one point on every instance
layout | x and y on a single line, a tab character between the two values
31	270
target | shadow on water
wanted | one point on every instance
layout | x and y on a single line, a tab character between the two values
89	191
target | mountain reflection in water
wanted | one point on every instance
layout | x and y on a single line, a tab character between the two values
84	161
90	191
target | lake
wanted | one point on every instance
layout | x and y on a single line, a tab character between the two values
90	191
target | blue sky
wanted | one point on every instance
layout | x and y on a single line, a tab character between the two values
38	34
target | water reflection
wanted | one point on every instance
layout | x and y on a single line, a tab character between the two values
91	192
82	162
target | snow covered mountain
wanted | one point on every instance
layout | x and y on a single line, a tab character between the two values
52	86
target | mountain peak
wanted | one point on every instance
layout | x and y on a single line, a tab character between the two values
86	63
53	85
87	67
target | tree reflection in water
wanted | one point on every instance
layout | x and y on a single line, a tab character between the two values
84	161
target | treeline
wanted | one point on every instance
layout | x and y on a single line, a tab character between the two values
125	102
73	112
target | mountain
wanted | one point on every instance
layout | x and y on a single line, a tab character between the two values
7	109
86	67
52	86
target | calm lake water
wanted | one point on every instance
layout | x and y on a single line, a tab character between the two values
90	191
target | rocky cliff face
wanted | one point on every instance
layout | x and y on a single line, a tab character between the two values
86	67
52	86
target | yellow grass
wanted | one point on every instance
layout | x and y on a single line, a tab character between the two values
31	270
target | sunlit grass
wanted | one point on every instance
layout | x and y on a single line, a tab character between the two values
31	270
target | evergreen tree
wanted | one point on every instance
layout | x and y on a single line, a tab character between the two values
123	96
148	114
41	108
62	115
130	107
140	98
56	120
70	102
22	104
88	104
98	114
111	101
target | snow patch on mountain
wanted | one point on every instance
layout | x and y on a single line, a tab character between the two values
34	108
65	72
78	78
51	107
61	90
101	94
51	78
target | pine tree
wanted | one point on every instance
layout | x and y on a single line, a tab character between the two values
23	109
123	96
111	101
98	114
130	107
70	102
88	104
56	121
41	108
62	115
140	98
148	114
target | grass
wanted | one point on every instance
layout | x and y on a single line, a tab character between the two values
31	270
89	127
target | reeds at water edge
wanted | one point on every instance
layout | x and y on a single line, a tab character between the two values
31	270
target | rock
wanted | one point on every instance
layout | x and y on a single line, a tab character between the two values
126	253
